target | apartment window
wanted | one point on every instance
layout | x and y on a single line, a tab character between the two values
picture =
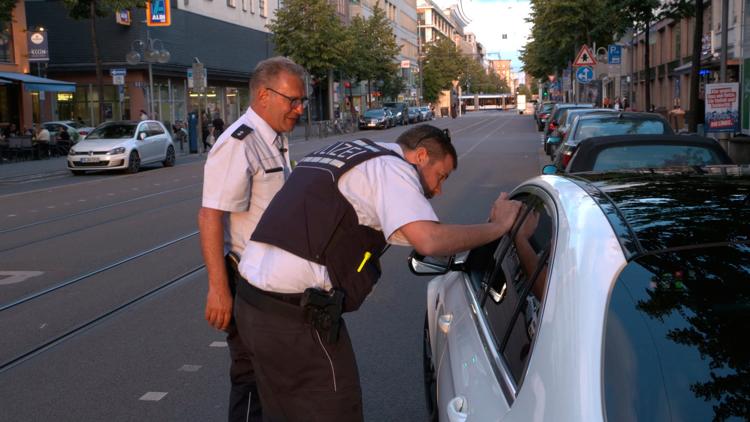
244	5
262	8
232	3
6	42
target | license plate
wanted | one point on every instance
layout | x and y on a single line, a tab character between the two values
89	159
371	124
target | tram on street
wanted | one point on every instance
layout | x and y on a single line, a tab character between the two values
488	101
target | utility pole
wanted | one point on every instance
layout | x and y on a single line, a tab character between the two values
724	40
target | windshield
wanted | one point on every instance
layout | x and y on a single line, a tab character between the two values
113	131
595	127
374	113
675	345
73	124
654	156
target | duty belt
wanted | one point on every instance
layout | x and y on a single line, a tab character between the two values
286	305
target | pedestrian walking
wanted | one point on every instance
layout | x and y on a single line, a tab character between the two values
218	124
246	167
316	254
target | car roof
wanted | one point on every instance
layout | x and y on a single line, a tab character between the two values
653	211
590	148
630	115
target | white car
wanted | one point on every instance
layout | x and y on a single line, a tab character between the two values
124	146
76	130
622	297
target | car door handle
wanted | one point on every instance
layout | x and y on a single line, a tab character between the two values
457	409
444	322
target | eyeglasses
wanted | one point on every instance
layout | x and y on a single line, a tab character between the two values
293	101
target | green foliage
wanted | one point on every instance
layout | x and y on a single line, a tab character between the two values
560	27
310	33
442	65
522	89
373	49
393	85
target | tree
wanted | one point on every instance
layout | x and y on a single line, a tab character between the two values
92	9
641	14
442	65
309	32
373	51
393	85
522	89
678	9
559	29
6	10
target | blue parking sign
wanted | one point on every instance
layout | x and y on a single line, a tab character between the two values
614	54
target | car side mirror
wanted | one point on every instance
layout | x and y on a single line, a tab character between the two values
142	136
431	265
549	169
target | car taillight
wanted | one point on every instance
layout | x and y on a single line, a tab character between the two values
552	125
83	132
566	158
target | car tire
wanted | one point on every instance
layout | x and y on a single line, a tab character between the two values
134	163
169	160
430	381
77	172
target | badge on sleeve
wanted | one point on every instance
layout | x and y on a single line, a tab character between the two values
242	132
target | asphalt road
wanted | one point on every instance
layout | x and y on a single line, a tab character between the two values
102	288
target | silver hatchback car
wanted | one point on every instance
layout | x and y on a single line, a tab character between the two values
616	296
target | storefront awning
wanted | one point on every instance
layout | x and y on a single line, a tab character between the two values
36	83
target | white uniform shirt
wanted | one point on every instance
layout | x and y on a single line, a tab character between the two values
386	194
242	176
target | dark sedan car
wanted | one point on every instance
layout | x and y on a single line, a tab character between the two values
617	297
376	118
611	153
610	124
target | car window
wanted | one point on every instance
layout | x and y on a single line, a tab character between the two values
112	131
513	283
654	156
154	129
591	128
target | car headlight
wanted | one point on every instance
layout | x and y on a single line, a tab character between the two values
118	150
71	152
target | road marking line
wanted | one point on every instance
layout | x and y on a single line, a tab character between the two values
13	277
482	140
189	368
12	215
153	396
218	344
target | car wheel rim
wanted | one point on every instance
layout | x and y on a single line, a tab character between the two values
135	162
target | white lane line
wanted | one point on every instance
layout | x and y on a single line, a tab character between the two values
218	344
190	368
12	215
13	277
50	206
473	147
153	396
41	327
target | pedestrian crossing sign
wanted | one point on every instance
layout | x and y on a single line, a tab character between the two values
585	57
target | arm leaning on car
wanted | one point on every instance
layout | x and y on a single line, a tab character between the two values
219	298
430	238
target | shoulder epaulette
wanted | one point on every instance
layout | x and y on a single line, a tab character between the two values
242	132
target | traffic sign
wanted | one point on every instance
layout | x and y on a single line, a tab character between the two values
118	72
118	79
585	57
614	54
585	74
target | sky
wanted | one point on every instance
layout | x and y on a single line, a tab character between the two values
490	19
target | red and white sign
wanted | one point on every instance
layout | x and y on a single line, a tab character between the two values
585	57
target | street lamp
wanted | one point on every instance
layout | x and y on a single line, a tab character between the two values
151	51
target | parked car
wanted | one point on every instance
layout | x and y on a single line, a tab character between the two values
611	153
622	123
426	113
618	296
415	116
123	145
567	117
376	118
553	120
542	114
400	112
75	130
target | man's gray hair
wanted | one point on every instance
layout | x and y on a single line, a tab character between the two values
269	69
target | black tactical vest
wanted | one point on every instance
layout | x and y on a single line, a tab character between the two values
310	218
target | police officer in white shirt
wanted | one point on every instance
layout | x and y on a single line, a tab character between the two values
245	169
315	254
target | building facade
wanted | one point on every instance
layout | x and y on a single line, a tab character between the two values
228	38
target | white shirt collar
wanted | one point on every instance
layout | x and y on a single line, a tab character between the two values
265	131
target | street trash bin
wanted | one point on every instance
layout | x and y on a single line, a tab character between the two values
443	111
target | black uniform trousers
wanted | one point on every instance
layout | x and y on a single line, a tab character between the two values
300	376
244	401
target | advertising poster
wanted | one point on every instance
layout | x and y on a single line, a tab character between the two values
722	107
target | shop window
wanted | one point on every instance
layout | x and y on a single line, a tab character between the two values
6	42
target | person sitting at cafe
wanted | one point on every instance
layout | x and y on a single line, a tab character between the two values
11	130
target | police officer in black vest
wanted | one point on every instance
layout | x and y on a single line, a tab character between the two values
315	254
